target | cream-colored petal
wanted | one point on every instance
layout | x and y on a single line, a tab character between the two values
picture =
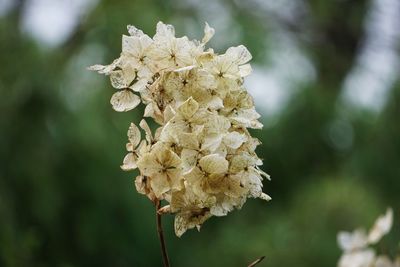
384	261
166	157
234	139
215	103
362	258
180	225
130	45
152	110
105	69
218	210
265	197
247	118
148	165
160	185
189	159
188	140
124	100
121	79
239	54
194	175
352	241
133	31
214	164
188	108
208	33
169	113
134	135
245	70
184	69
164	31
143	124
139	85
129	162
381	227
211	142
140	184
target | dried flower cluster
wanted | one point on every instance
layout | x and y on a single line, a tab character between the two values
202	158
356	246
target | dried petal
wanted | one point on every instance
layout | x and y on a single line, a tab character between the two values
124	100
214	163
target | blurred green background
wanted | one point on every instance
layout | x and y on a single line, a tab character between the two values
326	80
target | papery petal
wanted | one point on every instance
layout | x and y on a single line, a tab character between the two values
134	135
148	165
381	227
239	54
245	70
124	100
143	124
160	185
133	31
234	139
208	33
129	162
139	85
188	108
214	163
164	31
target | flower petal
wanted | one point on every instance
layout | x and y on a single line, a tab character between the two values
129	162
214	163
208	33
134	135
124	100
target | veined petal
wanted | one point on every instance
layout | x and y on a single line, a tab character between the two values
239	54
234	139
143	124
188	108
129	162
214	164
124	100
139	85
134	135
148	165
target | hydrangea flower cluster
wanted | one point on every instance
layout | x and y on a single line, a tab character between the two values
201	159
356	246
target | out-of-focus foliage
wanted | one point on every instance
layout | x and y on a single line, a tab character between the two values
65	202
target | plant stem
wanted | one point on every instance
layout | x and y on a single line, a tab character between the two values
161	235
257	261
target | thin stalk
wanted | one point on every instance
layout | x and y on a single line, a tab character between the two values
161	235
257	261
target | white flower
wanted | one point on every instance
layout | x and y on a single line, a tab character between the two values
352	241
381	227
385	261
355	245
363	258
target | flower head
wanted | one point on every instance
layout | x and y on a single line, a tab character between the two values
201	159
